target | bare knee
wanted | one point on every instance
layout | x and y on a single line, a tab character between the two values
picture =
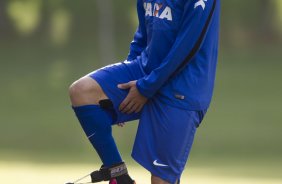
85	91
79	88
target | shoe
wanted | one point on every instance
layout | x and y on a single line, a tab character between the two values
123	179
116	174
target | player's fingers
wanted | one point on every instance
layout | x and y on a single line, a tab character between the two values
120	124
124	85
128	107
123	104
133	108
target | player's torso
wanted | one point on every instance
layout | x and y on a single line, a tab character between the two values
162	20
163	14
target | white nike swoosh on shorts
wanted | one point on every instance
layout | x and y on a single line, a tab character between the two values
158	164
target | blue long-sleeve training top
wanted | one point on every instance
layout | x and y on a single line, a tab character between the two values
176	45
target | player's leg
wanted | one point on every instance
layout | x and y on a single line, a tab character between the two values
96	118
85	95
164	139
158	180
96	121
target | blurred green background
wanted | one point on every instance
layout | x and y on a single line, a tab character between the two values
47	44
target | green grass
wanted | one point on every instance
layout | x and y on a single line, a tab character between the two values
61	173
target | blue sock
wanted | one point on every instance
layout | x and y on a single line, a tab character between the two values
96	123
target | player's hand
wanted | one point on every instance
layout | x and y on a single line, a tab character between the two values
134	101
121	124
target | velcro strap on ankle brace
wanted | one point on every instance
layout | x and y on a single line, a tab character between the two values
106	173
118	170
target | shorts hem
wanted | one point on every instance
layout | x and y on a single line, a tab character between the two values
104	88
152	171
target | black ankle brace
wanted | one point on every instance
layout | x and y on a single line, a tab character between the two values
107	173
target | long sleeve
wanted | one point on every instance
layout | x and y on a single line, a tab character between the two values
139	42
196	18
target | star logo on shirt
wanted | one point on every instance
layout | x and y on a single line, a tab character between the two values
200	3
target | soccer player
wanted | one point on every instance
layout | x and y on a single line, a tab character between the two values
166	82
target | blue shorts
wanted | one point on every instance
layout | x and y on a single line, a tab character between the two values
165	134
